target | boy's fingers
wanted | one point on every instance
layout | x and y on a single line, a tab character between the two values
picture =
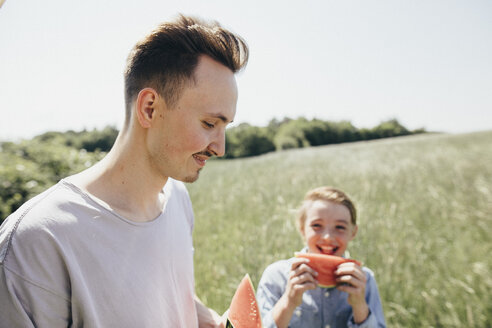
306	268
349	280
358	291
305	277
351	271
298	261
349	266
302	278
301	269
305	286
355	276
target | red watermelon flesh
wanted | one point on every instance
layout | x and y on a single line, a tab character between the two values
326	266
244	311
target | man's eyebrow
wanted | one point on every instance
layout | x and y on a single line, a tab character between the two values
221	117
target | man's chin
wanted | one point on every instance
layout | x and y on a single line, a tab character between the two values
191	178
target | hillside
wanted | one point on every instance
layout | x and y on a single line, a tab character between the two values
424	202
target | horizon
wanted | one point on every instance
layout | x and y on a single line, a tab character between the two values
412	131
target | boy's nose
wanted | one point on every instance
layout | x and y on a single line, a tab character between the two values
326	235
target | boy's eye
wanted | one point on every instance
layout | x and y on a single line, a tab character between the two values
339	227
316	226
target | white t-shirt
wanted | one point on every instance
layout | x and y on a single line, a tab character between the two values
66	260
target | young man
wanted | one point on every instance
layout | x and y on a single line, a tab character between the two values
112	245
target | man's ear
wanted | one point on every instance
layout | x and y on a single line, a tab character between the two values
145	106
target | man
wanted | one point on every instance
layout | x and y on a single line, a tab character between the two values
112	245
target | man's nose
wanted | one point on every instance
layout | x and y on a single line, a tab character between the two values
217	146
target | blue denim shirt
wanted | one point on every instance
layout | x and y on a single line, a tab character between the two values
321	307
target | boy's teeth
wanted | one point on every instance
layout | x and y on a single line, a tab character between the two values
328	250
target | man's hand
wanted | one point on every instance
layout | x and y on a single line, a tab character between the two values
208	318
352	280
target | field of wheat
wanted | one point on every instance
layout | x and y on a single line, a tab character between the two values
425	221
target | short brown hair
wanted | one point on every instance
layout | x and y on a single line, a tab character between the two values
166	58
328	194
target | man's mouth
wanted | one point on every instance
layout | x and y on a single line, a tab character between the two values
201	158
329	250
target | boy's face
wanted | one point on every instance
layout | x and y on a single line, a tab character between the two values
328	228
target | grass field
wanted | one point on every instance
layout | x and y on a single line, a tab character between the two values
425	221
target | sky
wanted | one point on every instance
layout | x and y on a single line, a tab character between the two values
426	63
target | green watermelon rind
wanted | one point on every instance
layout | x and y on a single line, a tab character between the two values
326	286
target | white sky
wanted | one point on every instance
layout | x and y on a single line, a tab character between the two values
427	63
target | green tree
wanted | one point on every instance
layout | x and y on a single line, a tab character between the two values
291	135
246	140
388	129
31	166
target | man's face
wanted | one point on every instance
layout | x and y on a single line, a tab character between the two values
185	136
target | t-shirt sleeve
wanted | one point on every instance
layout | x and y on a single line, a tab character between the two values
24	304
29	277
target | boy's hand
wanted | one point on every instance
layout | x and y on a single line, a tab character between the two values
301	278
352	280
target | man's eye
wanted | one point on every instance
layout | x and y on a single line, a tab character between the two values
208	125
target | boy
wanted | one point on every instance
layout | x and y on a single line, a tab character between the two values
288	293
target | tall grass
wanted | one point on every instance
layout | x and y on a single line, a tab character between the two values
425	221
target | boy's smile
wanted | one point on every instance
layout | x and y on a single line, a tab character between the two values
328	228
326	249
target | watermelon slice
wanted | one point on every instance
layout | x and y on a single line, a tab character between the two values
326	266
244	311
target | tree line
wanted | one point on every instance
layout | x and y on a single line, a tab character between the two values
30	166
246	140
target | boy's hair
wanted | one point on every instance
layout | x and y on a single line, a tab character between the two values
165	60
328	194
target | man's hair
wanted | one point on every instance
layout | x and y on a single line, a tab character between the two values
165	60
328	194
